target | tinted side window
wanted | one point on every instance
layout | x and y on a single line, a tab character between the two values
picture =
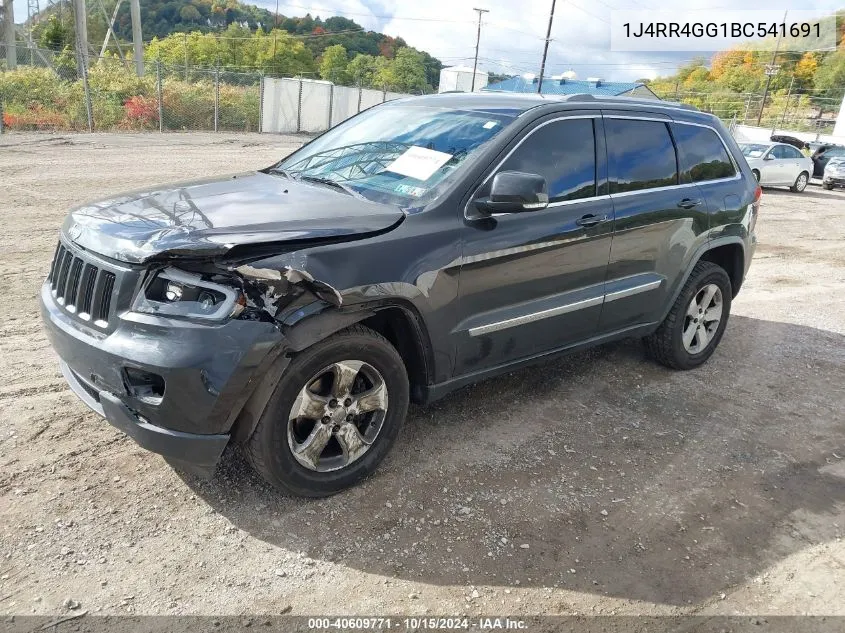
564	153
641	155
777	152
703	155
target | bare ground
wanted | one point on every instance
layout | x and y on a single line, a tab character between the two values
601	483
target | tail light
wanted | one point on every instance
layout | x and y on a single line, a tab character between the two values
755	208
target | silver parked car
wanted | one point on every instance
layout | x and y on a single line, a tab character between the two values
834	173
778	165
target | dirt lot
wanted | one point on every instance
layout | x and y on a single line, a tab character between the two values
597	484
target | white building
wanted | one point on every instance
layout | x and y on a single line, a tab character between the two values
839	128
459	78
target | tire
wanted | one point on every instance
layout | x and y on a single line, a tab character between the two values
800	182
828	187
756	175
666	345
270	449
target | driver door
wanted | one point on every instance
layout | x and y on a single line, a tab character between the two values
533	282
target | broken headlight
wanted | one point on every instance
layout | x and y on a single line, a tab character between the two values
176	293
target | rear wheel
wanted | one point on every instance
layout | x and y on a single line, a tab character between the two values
335	414
694	326
800	182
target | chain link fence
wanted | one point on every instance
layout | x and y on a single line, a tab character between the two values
52	91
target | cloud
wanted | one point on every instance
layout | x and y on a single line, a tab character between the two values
513	32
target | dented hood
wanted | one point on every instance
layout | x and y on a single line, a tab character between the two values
209	217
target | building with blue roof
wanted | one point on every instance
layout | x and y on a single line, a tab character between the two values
565	86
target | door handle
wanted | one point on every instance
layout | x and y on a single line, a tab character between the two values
591	220
688	203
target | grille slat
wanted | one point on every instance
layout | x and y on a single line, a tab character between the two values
56	255
86	289
102	310
73	282
63	271
82	288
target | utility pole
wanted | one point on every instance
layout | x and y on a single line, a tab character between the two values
137	37
477	42
9	33
80	20
771	71
786	107
546	48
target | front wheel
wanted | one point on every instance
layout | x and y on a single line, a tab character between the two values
829	187
694	326
800	182
334	415
756	175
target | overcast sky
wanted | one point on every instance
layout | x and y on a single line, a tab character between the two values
513	31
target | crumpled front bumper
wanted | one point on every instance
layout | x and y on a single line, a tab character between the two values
190	451
208	373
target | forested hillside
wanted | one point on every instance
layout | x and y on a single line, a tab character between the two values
243	36
805	86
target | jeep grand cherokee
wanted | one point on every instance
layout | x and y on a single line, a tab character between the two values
421	245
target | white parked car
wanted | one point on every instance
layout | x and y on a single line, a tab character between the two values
834	173
778	165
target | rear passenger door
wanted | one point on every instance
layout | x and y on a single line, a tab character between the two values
706	162
659	221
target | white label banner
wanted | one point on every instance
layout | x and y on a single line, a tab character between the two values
715	30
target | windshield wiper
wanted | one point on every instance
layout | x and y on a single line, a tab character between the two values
283	172
331	183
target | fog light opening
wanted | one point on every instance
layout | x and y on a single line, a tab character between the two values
144	385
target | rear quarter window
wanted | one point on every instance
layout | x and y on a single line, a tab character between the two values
703	155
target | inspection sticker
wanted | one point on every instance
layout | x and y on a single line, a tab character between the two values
409	190
419	162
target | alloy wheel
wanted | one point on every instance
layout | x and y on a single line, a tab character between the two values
337	415
702	318
801	183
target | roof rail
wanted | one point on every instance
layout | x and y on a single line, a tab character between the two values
586	97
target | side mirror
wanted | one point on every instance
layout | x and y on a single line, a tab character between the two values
515	192
768	157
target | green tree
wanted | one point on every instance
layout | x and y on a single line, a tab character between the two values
189	13
56	34
404	73
364	68
829	81
333	66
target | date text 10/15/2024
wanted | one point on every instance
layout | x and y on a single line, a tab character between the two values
416	624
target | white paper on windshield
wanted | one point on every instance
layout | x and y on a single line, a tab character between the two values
419	162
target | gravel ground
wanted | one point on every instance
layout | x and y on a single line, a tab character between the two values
601	483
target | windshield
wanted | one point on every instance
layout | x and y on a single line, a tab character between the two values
397	154
753	150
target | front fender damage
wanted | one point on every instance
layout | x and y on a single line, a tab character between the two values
271	290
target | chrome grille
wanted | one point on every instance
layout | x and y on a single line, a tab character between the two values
81	287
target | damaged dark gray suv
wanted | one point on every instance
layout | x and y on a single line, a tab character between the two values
420	246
